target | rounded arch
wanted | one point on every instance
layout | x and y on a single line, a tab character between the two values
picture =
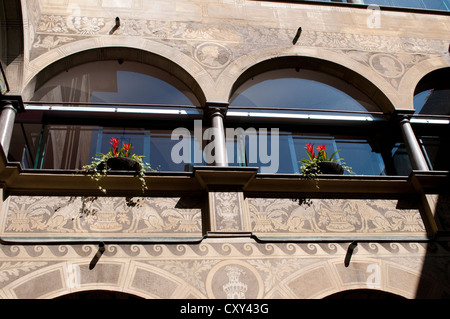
432	92
416	74
321	60
148	52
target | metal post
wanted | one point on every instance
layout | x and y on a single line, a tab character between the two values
216	112
10	105
7	118
415	154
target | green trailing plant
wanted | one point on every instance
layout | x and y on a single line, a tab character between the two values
98	168
310	165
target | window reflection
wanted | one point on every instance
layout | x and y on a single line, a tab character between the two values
114	82
302	89
72	146
431	103
357	152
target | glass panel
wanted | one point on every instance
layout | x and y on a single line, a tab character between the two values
358	154
400	160
379	2
437	151
419	4
113	82
305	89
286	149
24	145
436	4
71	147
408	3
434	101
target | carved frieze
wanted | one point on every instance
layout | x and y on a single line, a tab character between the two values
59	218
214	44
325	218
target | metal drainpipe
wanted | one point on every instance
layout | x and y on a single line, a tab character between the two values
216	112
415	154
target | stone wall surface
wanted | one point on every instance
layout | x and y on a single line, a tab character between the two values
218	268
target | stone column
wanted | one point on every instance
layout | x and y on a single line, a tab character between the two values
10	105
415	154
216	112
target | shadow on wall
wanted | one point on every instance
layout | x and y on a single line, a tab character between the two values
435	278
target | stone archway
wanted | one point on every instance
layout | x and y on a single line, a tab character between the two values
362	77
183	67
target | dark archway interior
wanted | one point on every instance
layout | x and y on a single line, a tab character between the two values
98	294
364	294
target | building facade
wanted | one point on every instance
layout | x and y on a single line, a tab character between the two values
222	97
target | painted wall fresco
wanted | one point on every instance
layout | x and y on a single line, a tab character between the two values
305	218
35	217
216	269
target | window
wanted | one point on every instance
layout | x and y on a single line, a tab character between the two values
294	107
115	81
88	98
419	4
432	118
72	146
301	89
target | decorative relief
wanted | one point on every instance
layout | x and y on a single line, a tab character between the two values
11	270
50	42
86	25
212	55
234	39
390	66
226	208
234	279
193	272
33	216
387	65
325	217
212	269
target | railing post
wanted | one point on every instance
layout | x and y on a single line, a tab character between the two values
216	112
10	105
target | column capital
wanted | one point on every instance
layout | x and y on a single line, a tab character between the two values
216	108
13	100
402	114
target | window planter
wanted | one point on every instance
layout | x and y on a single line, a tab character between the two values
120	163
330	168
